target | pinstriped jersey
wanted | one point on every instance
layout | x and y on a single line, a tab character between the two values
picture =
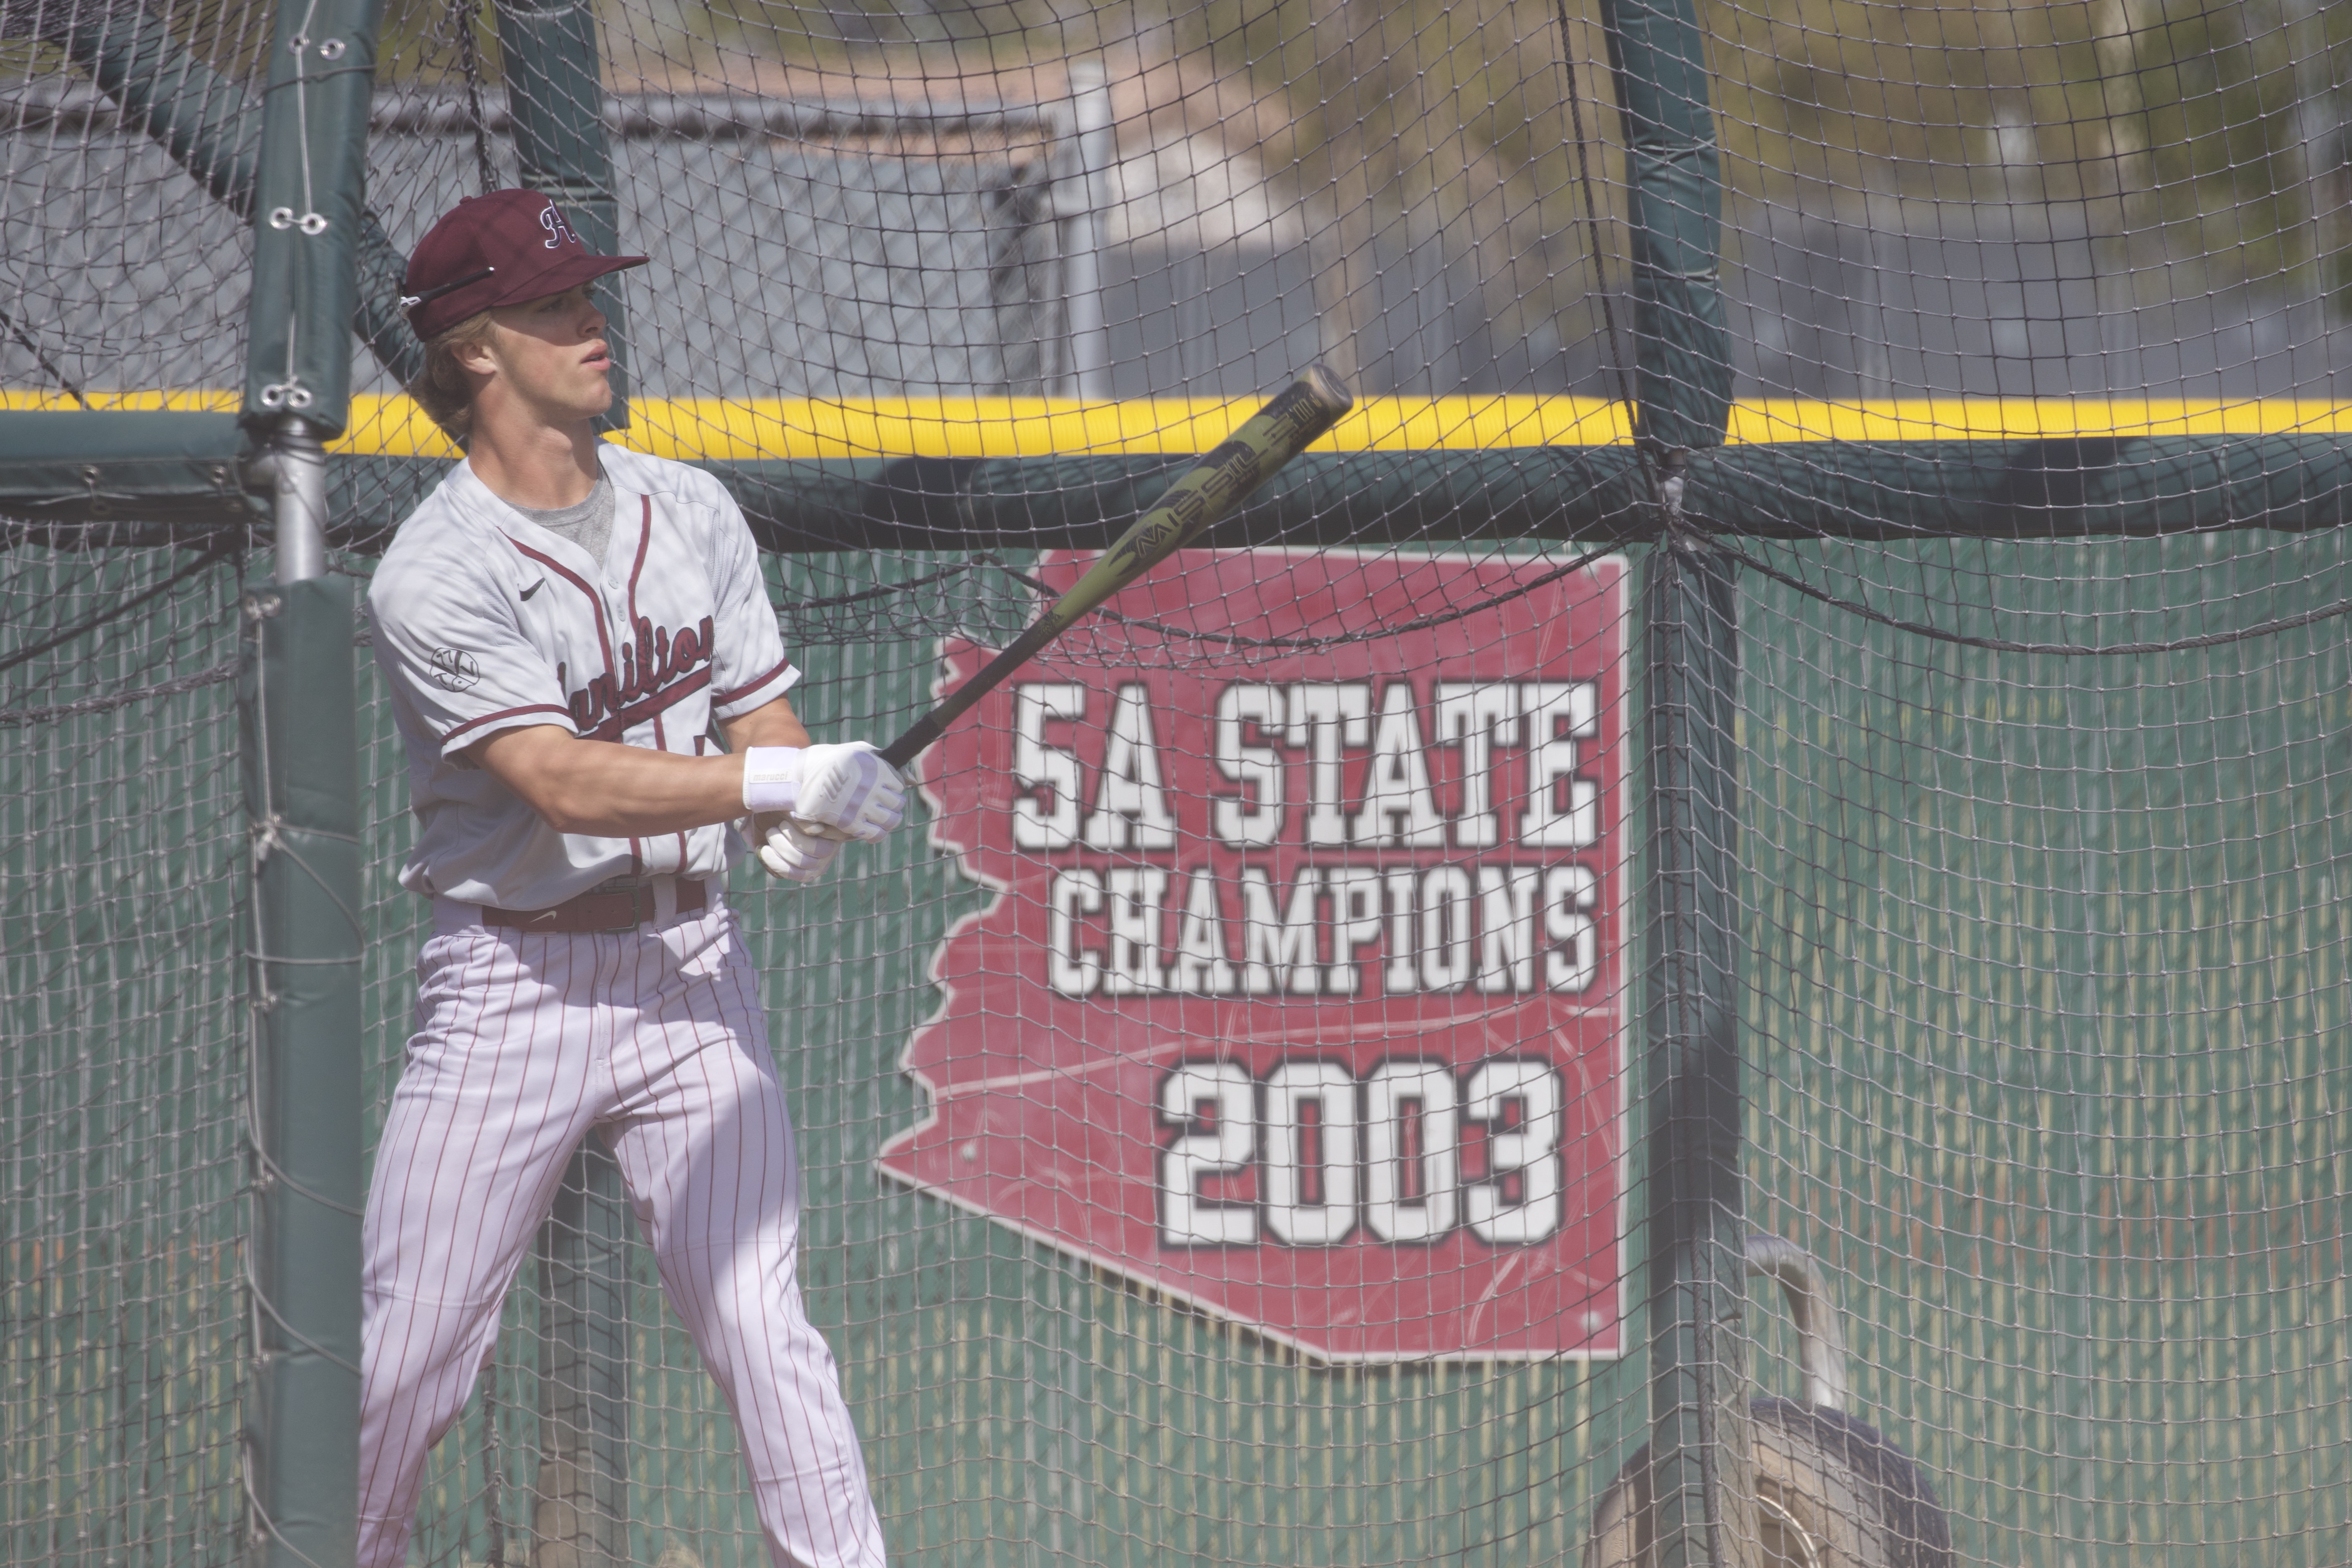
485	621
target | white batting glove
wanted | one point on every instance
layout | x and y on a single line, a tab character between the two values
793	856
848	792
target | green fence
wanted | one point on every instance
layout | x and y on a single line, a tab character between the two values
125	1010
2045	1004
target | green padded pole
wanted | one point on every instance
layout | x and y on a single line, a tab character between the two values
1675	208
301	792
310	212
1701	1482
2076	488
580	1514
555	94
310	202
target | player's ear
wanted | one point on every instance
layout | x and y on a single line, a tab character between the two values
474	355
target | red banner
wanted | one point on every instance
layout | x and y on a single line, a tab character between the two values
1301	995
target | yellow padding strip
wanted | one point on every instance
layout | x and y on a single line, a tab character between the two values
709	428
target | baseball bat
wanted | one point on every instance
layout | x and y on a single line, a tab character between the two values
1209	490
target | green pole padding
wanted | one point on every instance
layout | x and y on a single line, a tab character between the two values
1674	209
1700	1481
555	93
310	211
301	792
582	1511
82	465
1990	489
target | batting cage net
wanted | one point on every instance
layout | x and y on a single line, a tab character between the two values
1893	810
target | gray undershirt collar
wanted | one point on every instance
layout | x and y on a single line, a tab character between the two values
588	525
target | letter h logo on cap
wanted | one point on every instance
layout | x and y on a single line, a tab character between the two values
504	248
558	231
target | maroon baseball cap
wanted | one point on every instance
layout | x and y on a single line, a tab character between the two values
498	249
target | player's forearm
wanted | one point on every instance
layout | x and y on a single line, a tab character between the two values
770	724
606	790
612	791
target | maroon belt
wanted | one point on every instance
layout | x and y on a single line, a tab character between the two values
621	909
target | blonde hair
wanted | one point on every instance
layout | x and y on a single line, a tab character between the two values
442	389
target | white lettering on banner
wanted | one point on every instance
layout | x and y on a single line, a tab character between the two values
1135	895
1569	892
1310	1153
1204	963
1552	764
1356	921
1446	929
1525	1155
1411	1151
1326	718
1212	1105
1279	945
1330	1154
1403	974
1495	930
1256	817
1130	802
1037	765
1074	971
1399	807
1507	926
1475	718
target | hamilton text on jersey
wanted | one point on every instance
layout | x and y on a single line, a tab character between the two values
658	669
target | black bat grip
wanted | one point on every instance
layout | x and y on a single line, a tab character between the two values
918	736
913	740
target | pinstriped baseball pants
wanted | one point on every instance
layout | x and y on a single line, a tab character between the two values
523	1043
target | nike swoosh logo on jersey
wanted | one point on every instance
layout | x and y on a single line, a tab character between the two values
534	588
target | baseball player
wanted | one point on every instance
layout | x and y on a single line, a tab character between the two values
562	624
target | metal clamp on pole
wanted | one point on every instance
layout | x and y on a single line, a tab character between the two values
296	467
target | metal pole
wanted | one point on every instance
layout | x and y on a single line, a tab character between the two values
1082	233
555	97
297	467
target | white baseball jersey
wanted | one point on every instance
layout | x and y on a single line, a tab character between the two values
485	621
527	1040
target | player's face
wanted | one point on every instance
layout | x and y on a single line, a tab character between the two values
552	355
